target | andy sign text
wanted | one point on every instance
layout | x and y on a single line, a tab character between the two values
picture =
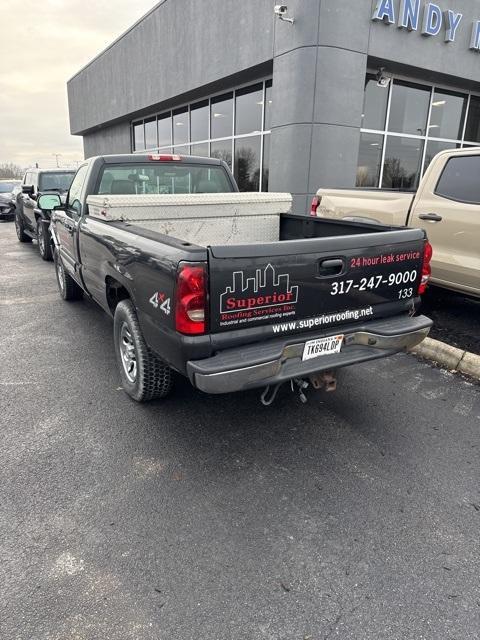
429	18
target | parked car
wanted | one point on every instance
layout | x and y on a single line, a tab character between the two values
32	221
223	288
7	198
446	203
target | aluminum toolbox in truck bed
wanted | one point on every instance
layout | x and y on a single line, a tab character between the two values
203	219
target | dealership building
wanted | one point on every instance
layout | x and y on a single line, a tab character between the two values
352	92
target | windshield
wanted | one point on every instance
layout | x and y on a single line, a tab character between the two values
164	178
7	187
60	181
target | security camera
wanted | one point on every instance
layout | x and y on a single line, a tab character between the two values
383	78
280	10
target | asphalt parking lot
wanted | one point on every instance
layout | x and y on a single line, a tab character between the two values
456	318
355	516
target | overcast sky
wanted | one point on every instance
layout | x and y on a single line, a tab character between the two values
44	43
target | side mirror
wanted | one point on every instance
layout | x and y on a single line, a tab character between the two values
49	201
28	189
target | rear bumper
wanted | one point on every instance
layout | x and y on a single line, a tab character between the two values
278	360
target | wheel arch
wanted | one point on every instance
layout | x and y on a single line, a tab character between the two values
115	292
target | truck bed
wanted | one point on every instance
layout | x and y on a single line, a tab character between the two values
377	205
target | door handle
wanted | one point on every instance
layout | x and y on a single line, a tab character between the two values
330	267
430	216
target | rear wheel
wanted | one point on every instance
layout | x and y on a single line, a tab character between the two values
69	289
19	228
43	239
144	376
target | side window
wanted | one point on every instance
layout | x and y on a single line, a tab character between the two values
74	203
460	180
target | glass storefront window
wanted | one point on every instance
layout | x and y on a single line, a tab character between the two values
199	149
222	116
199	121
427	118
409	108
151	133
138	137
268	105
164	125
266	162
180	126
222	150
247	163
369	160
207	128
447	115
248	110
403	163
374	104
472	132
434	147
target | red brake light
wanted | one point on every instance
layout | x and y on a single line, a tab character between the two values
314	206
164	157
190	299
426	268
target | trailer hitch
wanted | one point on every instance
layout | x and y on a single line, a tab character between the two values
324	380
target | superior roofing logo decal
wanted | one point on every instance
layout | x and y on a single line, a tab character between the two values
434	19
265	289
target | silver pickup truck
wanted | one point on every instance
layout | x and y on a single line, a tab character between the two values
447	205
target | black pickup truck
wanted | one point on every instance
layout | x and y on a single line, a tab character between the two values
32	222
325	294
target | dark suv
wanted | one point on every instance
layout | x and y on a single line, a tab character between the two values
30	221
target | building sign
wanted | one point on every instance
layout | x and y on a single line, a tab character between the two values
429	18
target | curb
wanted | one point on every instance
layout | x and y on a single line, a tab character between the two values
449	357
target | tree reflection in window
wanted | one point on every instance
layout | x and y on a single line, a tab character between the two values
247	163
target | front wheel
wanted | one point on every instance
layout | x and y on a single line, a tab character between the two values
69	289
144	376
19	228
43	239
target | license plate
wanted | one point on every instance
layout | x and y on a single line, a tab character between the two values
322	347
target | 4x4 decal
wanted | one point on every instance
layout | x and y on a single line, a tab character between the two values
159	300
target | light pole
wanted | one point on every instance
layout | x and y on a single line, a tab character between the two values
57	156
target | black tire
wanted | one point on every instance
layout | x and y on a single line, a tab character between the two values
144	376
43	240
19	228
68	288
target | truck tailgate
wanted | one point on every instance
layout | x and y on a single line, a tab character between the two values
301	285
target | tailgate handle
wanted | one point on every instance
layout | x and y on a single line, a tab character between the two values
331	267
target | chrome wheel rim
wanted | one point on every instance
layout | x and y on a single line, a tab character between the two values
60	274
128	353
41	238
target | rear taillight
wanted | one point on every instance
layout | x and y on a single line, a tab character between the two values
314	206
190	299
426	268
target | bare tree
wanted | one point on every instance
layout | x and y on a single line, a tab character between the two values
10	170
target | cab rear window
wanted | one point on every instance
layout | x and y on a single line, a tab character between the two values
460	180
164	178
55	181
